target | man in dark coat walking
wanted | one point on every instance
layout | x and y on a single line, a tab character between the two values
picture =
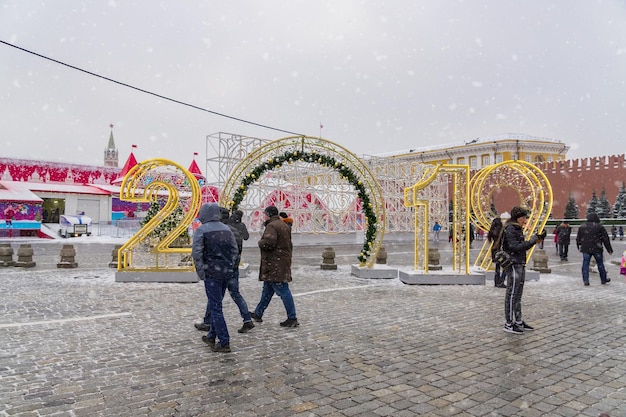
215	252
237	223
589	240
275	269
233	282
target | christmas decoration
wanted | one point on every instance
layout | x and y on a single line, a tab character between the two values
326	161
168	224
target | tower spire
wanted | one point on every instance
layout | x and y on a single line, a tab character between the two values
111	153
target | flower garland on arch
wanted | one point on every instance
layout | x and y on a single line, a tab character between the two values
326	161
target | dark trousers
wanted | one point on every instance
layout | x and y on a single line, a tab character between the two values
500	275
215	290
514	290
233	289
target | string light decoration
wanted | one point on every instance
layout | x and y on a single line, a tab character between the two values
530	185
326	154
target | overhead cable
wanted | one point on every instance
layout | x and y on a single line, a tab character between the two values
149	92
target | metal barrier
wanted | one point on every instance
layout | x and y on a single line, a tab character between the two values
124	228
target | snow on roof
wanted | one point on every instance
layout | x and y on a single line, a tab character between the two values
112	189
65	188
16	191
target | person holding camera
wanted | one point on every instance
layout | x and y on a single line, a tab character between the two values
516	245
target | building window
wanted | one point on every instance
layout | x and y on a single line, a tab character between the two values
472	161
550	159
527	158
460	161
486	161
499	158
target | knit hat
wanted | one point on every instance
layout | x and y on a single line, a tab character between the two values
271	211
517	212
505	215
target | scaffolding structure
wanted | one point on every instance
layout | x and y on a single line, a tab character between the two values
317	198
224	151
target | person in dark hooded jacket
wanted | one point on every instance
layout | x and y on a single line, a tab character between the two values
233	284
591	238
215	252
235	221
516	245
275	270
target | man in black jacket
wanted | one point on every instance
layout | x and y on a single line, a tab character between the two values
215	253
516	245
589	240
233	282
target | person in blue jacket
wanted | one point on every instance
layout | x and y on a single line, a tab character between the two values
214	251
436	230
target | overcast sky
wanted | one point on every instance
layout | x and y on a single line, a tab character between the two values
378	75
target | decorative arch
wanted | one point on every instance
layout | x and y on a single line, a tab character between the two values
311	150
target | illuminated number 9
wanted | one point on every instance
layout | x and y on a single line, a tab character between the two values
524	180
144	183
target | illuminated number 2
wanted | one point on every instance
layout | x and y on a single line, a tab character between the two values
147	181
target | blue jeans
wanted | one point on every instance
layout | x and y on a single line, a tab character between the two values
215	290
599	262
233	289
283	291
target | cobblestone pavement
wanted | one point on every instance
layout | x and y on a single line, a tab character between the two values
75	343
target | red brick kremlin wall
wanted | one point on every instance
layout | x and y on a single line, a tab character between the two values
577	176
580	177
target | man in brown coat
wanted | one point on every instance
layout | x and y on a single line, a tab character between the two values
275	269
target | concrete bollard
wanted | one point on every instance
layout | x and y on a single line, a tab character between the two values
25	256
381	257
540	261
433	259
328	259
68	257
6	254
114	256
